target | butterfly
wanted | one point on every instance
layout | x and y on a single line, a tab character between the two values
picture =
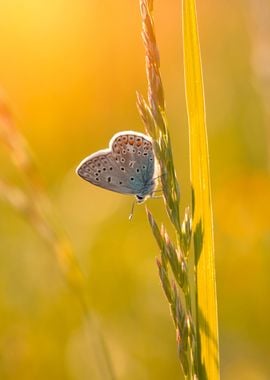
128	166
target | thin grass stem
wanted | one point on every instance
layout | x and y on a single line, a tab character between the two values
173	265
32	201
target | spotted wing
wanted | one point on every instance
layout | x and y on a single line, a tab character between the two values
134	153
101	170
127	167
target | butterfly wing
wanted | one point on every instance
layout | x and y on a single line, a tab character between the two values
136	158
101	170
127	167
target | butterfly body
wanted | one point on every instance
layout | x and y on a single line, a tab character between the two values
128	166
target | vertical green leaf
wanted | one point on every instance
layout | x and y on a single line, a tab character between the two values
206	304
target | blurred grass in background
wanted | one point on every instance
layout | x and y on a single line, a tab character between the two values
70	71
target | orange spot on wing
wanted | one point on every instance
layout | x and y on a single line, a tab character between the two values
131	140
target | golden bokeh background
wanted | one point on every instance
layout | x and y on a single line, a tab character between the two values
70	71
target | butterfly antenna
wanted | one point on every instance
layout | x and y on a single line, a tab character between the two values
132	211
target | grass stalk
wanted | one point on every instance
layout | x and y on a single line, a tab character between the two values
206	303
196	327
173	264
32	201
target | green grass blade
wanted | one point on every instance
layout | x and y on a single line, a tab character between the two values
206	304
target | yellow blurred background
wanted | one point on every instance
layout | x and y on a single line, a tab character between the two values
70	71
